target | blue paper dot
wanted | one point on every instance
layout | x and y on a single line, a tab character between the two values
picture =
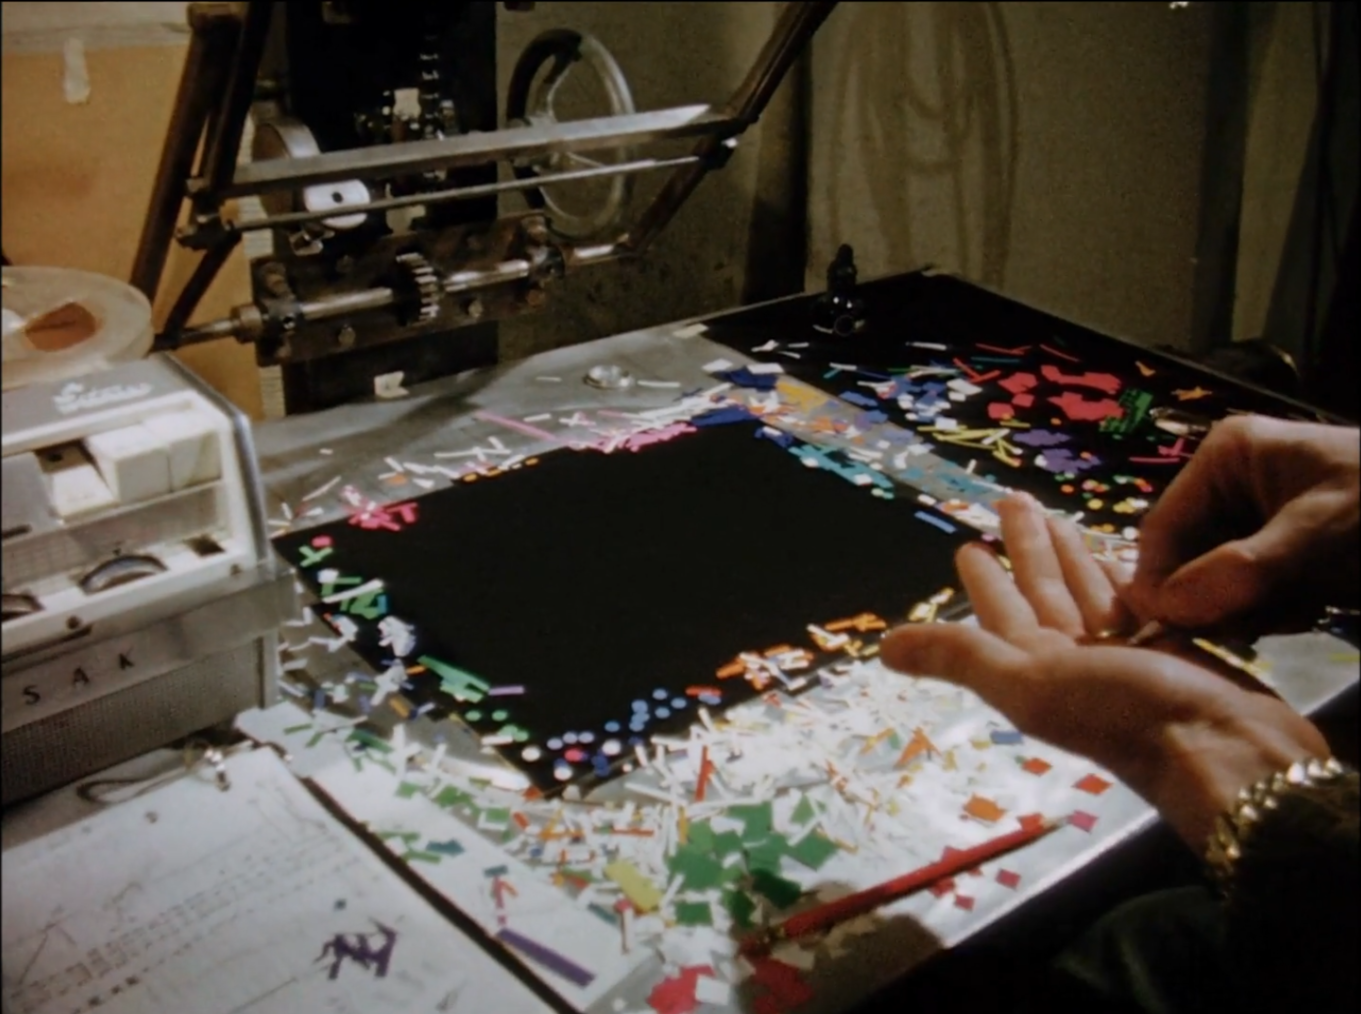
570	738
636	741
640	705
611	726
554	743
659	695
678	703
663	712
637	726
586	737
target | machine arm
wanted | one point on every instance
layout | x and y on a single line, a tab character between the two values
517	255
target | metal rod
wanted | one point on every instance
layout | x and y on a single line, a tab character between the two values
224	144
792	32
213	26
194	290
462	193
477	149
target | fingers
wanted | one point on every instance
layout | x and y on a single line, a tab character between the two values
996	601
1183	522
1243	576
972	658
1035	562
1089	584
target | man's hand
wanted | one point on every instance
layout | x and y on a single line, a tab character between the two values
1175	731
1258	533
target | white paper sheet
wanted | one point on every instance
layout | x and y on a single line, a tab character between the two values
253	900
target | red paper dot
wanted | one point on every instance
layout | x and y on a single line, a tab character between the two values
963	902
1008	879
1036	766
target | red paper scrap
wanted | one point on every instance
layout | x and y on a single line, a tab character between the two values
1103	382
1094	784
1082	820
1006	352
1000	410
1079	409
321	541
1032	820
1062	355
1019	383
964	902
1008	879
785	986
1036	766
1023	400
677	994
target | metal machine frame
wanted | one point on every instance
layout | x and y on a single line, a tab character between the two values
515	257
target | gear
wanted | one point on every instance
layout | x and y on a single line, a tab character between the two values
423	285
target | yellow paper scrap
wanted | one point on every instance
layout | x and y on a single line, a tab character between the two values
636	887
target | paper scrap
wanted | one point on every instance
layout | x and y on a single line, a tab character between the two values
636	887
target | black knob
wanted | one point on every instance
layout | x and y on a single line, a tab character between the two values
839	311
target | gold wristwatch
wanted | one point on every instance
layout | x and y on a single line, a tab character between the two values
1234	828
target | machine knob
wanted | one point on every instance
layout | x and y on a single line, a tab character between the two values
839	311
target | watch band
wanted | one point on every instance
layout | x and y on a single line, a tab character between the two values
1234	828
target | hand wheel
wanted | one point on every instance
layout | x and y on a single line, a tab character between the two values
529	101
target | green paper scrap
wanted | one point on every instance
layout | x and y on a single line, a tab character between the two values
573	874
804	812
694	913
449	797
740	907
700	835
699	870
408	790
766	855
779	892
407	837
445	848
316	738
458	684
603	913
418	855
311	557
329	588
294	729
756	820
369	740
496	815
727	843
813	851
365	606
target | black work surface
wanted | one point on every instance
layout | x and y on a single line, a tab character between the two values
979	329
597	580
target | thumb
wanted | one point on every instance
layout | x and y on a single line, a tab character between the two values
967	656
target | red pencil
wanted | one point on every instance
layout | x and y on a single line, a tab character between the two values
824	917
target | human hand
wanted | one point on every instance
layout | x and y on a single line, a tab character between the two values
1169	726
1259	532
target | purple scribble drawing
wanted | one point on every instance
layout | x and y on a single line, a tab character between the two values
358	947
